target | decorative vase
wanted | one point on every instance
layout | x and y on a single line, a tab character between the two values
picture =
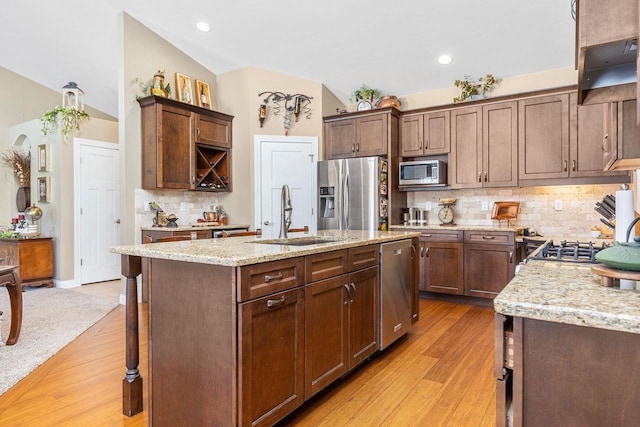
23	198
389	101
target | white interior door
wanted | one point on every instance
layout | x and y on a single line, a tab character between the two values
98	210
283	160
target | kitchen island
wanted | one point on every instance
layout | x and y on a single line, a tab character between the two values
566	348
243	330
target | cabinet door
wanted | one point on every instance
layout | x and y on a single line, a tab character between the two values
175	156
212	131
340	139
628	131
487	269
372	135
606	21
443	268
411	135
363	315
271	357
543	137
437	133
326	332
500	145
465	164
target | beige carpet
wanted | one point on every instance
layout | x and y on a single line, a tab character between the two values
51	319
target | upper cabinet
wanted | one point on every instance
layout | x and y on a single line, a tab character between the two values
184	146
621	148
425	134
361	134
606	50
484	152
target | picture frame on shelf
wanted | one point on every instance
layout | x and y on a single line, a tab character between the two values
203	95
184	92
44	161
44	189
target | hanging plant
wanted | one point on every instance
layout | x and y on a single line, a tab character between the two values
20	163
69	117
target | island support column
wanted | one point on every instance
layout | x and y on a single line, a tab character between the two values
132	382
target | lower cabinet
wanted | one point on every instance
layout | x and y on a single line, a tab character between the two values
341	326
271	355
489	265
441	262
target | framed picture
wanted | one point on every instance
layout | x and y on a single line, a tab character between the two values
44	189
43	158
183	89
202	94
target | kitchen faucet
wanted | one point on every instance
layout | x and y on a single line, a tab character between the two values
286	210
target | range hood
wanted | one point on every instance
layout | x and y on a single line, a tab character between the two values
610	64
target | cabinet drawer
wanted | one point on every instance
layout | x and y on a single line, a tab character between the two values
259	280
441	236
363	257
490	237
325	265
195	234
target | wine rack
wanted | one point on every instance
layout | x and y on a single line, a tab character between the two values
212	168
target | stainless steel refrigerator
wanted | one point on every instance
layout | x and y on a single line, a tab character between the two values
352	194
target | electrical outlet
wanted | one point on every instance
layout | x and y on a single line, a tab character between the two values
147	208
485	206
183	206
427	206
557	205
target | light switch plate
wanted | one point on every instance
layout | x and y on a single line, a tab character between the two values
427	206
485	206
147	208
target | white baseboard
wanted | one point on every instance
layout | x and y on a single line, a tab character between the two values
65	284
123	297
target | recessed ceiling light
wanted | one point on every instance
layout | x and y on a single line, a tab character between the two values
203	26
445	60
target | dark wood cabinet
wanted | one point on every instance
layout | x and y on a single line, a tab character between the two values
341	326
425	134
489	262
33	256
543	137
184	146
361	134
484	146
621	150
271	355
441	262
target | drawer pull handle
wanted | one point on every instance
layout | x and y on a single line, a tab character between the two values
268	278
510	257
275	302
426	253
488	237
353	286
348	294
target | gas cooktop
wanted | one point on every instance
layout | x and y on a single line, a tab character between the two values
566	251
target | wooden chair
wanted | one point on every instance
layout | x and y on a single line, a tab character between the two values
304	229
149	239
258	232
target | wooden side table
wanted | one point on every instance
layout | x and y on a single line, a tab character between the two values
9	277
33	256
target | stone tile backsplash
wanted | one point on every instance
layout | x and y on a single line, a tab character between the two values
536	207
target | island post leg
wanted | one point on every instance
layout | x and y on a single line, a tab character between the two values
132	382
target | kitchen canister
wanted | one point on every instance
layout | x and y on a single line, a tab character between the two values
624	217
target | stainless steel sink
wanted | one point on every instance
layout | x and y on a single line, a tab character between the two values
300	241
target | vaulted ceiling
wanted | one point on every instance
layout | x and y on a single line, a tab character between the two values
392	46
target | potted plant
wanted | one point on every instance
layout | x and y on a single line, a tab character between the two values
365	97
70	118
474	89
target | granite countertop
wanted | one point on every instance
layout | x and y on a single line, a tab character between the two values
453	227
565	292
238	251
197	227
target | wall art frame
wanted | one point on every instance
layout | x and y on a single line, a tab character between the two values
44	189
184	93
44	158
203	95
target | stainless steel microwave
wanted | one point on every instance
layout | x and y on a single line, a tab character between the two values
423	172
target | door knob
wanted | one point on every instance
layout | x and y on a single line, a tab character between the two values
117	221
267	223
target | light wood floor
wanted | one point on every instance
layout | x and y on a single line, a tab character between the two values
440	374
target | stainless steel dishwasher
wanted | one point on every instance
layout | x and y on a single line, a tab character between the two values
395	290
